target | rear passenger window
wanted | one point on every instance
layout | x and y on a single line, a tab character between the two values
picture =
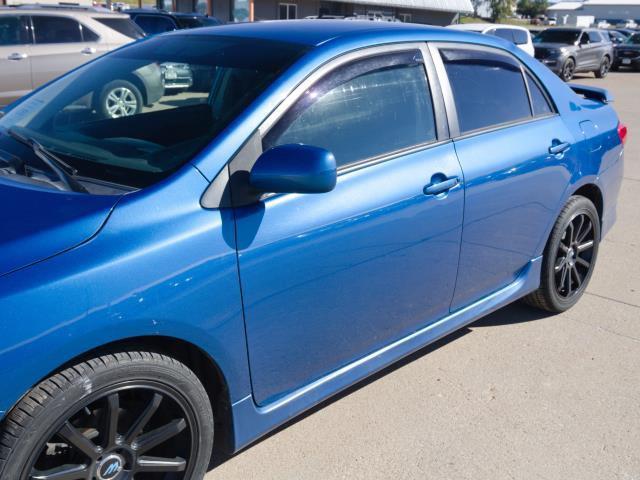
520	37
366	109
505	33
594	37
488	88
11	31
89	35
539	102
154	25
56	30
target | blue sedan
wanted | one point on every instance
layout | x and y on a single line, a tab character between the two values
324	199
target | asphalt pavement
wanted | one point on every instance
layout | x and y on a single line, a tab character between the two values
517	395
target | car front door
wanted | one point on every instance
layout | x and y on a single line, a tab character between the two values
15	61
59	47
516	157
329	278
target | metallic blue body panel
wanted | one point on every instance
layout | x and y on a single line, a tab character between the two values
336	286
328	278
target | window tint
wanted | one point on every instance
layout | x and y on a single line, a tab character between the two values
488	88
520	37
539	101
505	33
154	25
56	30
594	37
10	30
122	25
89	35
366	109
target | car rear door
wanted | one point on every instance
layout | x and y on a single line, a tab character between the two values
15	60
59	46
516	156
329	278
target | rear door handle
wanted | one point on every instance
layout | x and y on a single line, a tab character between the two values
18	56
88	51
440	184
557	148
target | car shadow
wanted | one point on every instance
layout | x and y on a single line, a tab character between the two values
515	313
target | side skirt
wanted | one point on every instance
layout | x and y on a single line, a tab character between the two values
250	422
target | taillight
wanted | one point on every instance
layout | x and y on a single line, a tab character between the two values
622	132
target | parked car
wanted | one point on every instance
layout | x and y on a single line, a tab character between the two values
602	24
551	21
158	21
615	37
567	51
628	53
333	200
514	34
628	23
625	31
38	44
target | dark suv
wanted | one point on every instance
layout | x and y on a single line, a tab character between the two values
160	21
570	50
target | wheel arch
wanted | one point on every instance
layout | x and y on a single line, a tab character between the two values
594	194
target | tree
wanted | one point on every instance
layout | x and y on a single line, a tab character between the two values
500	9
476	6
532	8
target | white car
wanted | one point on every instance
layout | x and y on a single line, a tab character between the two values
518	35
628	23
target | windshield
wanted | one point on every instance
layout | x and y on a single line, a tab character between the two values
568	37
135	116
633	39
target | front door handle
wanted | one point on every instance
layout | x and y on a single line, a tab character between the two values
18	56
88	51
440	184
558	147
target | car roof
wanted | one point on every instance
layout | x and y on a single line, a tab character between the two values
477	27
72	12
315	32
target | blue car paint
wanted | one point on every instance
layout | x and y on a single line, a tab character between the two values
163	265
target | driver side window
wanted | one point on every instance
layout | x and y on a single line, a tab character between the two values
366	109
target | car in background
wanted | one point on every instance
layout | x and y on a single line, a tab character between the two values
626	31
567	51
551	21
615	36
628	23
153	21
519	36
38	44
628	53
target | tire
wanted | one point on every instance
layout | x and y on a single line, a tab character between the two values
605	66
140	392
568	69
120	98
555	293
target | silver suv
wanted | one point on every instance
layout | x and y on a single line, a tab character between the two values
38	44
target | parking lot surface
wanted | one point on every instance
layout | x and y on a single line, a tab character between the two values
517	395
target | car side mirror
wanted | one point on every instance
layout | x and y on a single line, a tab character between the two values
294	168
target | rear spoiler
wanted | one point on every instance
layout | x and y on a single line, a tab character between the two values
601	95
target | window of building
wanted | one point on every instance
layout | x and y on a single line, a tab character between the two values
288	11
366	109
50	29
488	88
405	17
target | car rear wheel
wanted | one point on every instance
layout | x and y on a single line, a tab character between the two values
120	99
605	66
568	69
122	416
569	257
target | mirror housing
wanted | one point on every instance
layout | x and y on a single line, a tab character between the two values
294	168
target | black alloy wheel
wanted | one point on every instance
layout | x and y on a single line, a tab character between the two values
131	415
574	255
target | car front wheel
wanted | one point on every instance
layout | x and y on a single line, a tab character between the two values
127	415
120	99
568	69
569	257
